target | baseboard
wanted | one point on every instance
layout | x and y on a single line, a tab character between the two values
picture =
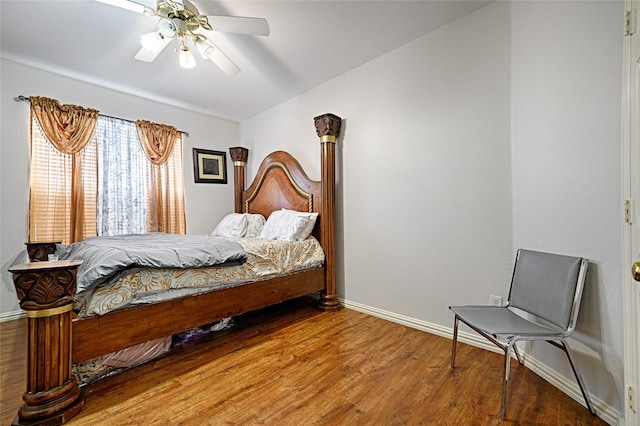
605	411
464	337
571	388
10	316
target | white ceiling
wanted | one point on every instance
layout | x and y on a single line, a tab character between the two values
310	43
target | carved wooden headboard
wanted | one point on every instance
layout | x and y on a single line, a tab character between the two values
282	183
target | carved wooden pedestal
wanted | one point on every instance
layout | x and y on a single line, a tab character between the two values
45	291
39	252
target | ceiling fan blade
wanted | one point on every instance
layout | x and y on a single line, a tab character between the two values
239	24
147	7
148	55
224	63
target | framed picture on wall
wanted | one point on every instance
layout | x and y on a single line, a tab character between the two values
209	166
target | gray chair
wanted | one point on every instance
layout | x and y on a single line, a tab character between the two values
543	305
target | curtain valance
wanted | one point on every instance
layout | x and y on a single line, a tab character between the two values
68	127
157	140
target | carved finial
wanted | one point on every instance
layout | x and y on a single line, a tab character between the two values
239	154
328	127
40	251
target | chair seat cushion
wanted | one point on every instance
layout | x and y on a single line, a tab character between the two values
500	321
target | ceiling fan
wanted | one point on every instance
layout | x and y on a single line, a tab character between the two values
178	20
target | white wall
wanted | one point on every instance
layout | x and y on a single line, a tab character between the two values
566	75
424	198
432	202
205	203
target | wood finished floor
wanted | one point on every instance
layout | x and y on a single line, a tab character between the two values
294	365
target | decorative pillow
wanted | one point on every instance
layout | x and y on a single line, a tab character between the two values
255	223
232	225
288	225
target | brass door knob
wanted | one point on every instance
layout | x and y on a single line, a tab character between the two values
635	271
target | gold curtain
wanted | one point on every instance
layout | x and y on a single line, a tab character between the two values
69	128
162	145
157	140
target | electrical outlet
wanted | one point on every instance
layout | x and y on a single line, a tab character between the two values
495	300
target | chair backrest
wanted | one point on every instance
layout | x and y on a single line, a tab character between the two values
548	286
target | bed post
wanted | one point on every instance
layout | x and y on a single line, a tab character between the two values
45	291
239	156
328	129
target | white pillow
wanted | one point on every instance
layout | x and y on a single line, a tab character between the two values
232	225
288	225
255	223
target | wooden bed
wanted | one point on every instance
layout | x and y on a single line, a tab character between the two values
57	337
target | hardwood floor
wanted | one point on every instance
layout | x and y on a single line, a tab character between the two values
294	365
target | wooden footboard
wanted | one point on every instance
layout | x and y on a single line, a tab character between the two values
129	327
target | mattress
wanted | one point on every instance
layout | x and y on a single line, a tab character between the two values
265	259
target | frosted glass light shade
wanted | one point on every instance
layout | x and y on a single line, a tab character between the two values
205	47
186	58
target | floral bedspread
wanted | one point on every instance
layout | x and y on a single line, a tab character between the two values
146	285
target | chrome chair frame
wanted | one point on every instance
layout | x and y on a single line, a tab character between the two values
541	329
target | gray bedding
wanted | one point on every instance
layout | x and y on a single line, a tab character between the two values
105	257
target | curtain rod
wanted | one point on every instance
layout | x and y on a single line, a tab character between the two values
22	98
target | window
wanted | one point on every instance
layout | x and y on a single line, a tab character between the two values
122	171
50	195
115	189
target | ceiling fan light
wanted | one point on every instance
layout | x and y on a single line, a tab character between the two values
152	42
167	27
205	47
186	58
